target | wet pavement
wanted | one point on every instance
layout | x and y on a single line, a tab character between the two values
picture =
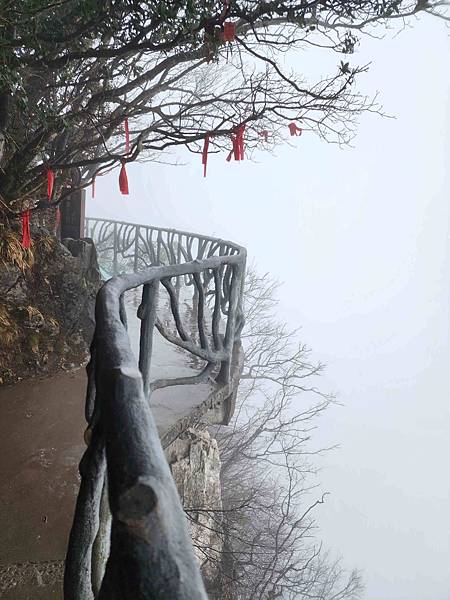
41	437
41	433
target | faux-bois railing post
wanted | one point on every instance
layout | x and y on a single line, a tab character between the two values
150	554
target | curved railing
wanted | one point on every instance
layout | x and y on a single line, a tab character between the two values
129	539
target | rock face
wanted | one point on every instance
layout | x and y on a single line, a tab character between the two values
47	298
194	460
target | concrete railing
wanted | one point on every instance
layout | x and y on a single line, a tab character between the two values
129	539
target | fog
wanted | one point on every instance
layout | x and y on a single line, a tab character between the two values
359	236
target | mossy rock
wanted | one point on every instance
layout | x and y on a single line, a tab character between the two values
47	305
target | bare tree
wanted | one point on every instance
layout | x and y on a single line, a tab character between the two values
277	395
267	521
74	75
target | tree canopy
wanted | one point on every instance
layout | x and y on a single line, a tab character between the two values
73	72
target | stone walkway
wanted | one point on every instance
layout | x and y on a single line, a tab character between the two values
41	432
41	436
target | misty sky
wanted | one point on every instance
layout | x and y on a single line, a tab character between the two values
360	238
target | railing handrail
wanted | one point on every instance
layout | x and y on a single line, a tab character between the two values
123	283
151	555
240	249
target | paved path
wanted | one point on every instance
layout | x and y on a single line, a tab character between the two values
41	438
41	432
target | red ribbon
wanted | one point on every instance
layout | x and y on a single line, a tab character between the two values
57	218
50	183
239	150
99	175
205	154
123	180
26	236
237	138
127	137
294	129
264	134
229	31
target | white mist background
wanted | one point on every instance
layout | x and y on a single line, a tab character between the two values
359	236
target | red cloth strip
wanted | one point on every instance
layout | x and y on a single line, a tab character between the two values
98	174
50	183
237	138
123	180
127	137
26	236
240	141
236	148
205	154
294	129
229	31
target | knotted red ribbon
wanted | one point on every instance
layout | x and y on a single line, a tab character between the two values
26	236
127	137
205	154
264	134
238	143
123	180
294	129
50	183
93	187
229	31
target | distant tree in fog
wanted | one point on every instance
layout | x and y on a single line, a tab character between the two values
267	525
